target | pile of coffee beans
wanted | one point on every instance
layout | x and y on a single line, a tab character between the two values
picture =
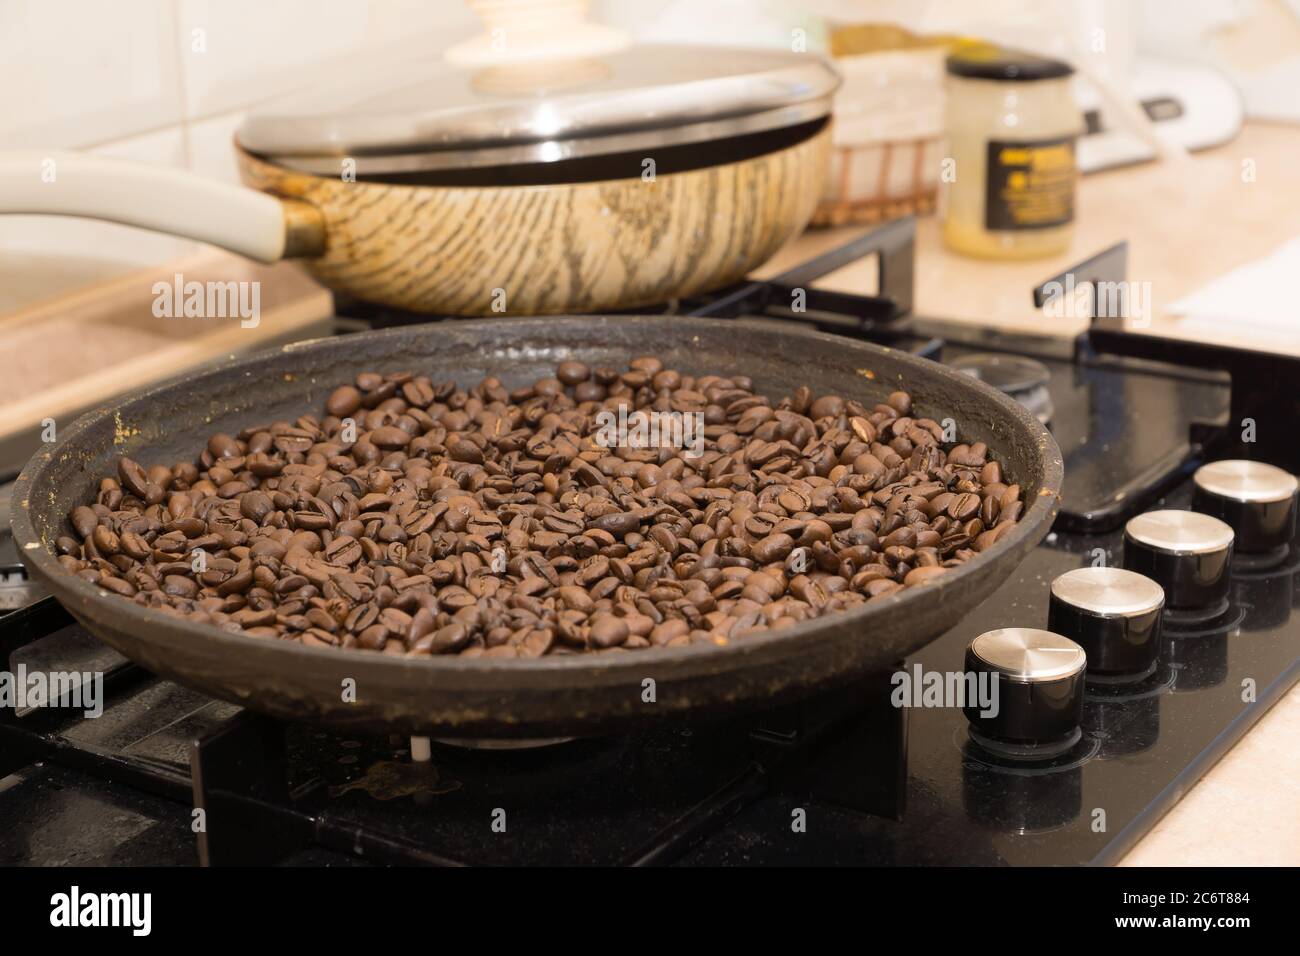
418	518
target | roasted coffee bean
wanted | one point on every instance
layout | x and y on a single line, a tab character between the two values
901	402
255	505
373	638
592	570
343	550
179	586
1009	513
117	586
502	523
134	546
923	575
105	541
587	475
575	598
133	477
343	401
84	521
775	547
223	446
389	436
826	406
607	631
964	507
863	428
990	538
572	373
989	510
619	523
563	523
462	449
792	502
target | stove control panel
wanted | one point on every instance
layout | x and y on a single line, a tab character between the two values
1114	615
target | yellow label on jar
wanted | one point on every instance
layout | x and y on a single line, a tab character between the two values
1030	185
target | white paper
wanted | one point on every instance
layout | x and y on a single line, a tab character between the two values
1259	295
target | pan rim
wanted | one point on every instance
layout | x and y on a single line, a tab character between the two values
38	555
808	131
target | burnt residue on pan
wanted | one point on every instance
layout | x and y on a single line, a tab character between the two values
581	694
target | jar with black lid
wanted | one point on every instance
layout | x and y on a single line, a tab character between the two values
1012	123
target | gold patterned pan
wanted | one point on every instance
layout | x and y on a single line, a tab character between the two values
524	173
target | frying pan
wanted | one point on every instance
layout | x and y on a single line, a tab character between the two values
461	247
541	697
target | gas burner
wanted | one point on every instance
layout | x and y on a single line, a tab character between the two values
1023	378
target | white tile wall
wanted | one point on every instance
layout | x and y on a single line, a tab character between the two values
211	146
84	73
134	79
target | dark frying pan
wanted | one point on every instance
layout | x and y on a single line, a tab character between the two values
547	696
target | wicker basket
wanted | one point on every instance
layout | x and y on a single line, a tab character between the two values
888	138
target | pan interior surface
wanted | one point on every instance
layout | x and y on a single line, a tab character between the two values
521	698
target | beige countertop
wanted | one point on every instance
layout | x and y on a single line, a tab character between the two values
1245	811
91	338
1186	224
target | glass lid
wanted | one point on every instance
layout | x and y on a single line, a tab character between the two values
429	113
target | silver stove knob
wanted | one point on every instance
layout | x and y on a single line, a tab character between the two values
1035	683
1185	552
1257	500
1114	615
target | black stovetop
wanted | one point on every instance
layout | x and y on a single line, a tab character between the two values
712	794
842	778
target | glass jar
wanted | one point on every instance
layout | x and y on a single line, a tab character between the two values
1012	123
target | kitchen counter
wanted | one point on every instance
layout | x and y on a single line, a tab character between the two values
1186	223
120	344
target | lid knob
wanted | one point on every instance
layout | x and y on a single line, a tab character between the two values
522	31
1186	553
1256	499
1035	692
1114	615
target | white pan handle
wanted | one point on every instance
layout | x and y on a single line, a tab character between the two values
168	200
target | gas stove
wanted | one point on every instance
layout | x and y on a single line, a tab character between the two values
844	777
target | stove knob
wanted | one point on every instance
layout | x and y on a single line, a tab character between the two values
1185	552
1031	687
1257	500
1114	615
